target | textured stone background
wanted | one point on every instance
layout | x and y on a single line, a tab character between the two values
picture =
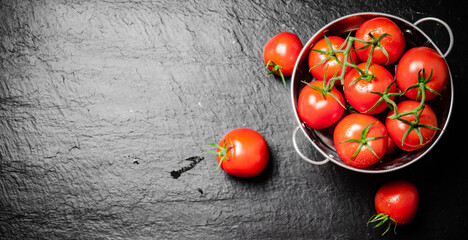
101	100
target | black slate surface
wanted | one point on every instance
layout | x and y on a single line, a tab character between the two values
102	100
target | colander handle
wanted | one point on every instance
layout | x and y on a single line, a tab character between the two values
449	30
301	154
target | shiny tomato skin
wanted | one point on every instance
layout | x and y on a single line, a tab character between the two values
359	93
350	127
399	199
391	147
283	49
416	59
396	128
316	111
393	44
330	66
248	154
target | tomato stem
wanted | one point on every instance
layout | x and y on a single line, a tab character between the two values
373	43
415	124
276	68
416	112
383	218
326	89
363	141
422	85
386	96
222	152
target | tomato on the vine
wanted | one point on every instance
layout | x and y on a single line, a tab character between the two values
242	152
415	128
396	202
319	107
422	68
360	140
325	57
384	36
364	90
280	53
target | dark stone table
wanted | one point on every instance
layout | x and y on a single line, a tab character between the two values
102	100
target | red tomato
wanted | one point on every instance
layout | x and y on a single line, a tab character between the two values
391	145
409	67
398	128
282	50
396	203
242	152
360	140
394	44
320	63
317	111
359	94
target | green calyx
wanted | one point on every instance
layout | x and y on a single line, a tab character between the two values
385	96
421	85
332	53
382	219
415	124
364	141
223	150
326	90
276	68
373	43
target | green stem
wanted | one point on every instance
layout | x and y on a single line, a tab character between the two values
386	96
326	90
276	68
382	219
364	141
223	151
416	112
349	43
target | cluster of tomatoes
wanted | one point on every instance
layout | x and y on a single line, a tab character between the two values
371	94
385	90
386	110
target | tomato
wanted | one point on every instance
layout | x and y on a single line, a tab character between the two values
408	71
391	145
316	110
360	94
394	43
406	135
329	64
242	152
360	140
280	53
396	202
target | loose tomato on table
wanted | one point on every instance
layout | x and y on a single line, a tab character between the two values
326	57
412	126
365	91
396	203
360	140
319	105
383	38
280	54
422	70
242	152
